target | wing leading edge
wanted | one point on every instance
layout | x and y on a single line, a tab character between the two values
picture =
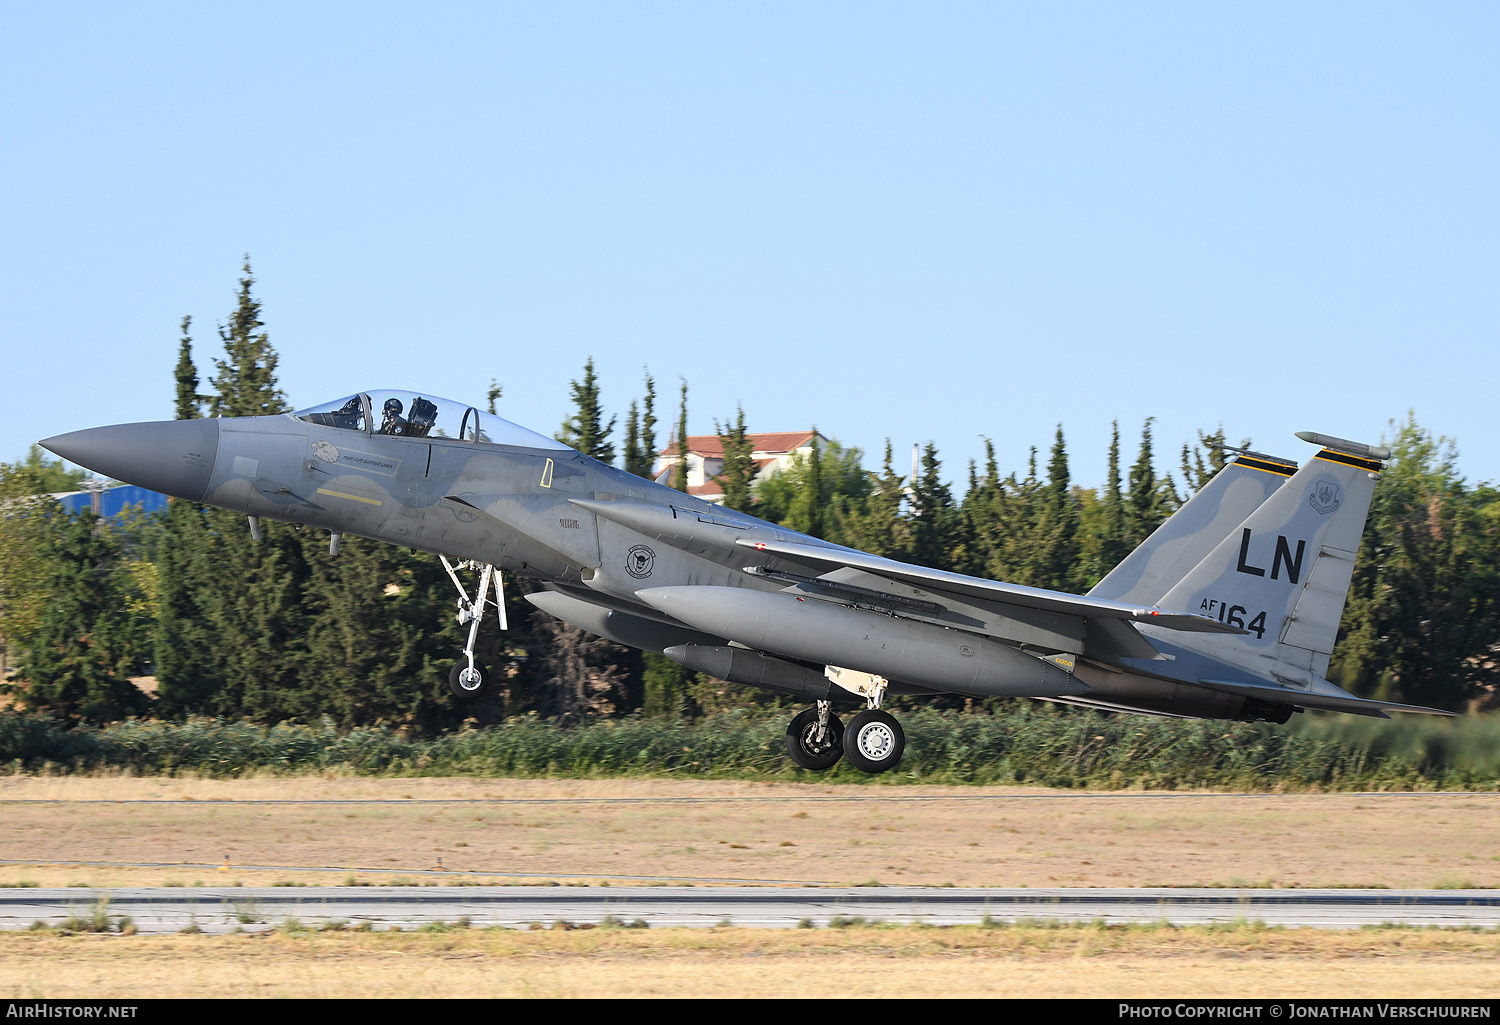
931	584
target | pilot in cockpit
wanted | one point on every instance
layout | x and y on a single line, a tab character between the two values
390	420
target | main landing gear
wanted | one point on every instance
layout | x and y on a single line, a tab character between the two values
470	679
873	740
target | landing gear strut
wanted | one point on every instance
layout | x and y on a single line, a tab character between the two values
470	679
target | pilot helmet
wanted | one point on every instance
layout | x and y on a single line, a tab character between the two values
393	407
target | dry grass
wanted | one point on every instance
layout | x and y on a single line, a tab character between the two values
698	830
865	962
541	829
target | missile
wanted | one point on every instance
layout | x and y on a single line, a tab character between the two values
831	634
1353	448
757	669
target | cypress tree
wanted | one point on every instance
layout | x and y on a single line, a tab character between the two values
246	382
1114	546
632	455
189	402
648	428
1150	499
1424	606
1056	564
937	538
180	642
233	639
680	472
78	659
586	430
877	525
28	520
739	469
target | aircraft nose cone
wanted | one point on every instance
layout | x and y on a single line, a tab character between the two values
174	457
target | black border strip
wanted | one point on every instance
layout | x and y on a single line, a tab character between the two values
1373	465
1285	469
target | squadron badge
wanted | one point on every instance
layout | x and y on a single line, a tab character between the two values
1325	496
639	560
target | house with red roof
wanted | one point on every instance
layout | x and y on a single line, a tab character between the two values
771	453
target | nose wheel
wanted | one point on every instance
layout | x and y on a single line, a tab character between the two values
468	681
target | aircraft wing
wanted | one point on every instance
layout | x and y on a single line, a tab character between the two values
913	583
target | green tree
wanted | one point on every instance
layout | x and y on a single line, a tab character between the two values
1207	458
738	472
1055	564
938	530
246	382
1005	521
189	402
680	471
1114	543
1151	499
585	429
376	630
231	632
28	519
640	433
876	524
817	490
1424	607
77	662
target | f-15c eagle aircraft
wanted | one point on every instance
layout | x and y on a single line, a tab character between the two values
1228	611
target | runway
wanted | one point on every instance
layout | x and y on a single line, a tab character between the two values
227	909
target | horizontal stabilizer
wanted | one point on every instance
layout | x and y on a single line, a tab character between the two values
1326	702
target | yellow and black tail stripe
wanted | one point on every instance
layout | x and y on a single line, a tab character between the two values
1373	465
1284	469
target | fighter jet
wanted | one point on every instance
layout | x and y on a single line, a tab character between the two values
1228	611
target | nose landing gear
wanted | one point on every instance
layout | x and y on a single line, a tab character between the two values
469	678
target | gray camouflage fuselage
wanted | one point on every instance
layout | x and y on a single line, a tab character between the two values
761	605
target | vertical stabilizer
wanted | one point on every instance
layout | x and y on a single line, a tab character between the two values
1283	574
1195	530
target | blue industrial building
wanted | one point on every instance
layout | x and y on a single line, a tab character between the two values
110	502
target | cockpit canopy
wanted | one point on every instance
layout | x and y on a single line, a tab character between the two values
419	415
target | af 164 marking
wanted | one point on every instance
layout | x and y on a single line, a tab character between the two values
1234	615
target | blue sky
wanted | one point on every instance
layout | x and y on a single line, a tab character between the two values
924	222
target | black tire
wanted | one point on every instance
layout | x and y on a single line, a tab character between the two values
808	752
874	741
462	684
